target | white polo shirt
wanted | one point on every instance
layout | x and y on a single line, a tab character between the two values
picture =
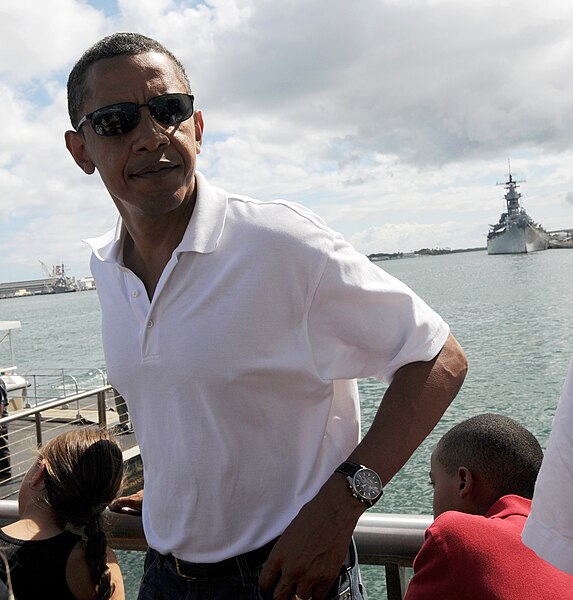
239	374
549	527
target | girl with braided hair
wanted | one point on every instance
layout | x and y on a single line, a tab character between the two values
58	548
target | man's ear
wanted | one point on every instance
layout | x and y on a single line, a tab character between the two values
76	145
465	482
199	126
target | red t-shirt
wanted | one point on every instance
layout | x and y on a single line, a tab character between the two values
474	557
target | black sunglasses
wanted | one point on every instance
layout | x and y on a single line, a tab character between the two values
117	119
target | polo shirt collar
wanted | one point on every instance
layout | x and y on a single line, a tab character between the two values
206	225
202	235
509	505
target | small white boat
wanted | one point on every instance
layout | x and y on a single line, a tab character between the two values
14	383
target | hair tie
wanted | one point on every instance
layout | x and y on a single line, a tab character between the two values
79	530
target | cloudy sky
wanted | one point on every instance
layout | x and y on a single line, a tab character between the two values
392	119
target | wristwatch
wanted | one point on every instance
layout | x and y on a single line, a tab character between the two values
365	484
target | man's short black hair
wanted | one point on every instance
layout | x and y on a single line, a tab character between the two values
497	448
117	44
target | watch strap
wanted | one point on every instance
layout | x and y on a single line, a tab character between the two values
348	468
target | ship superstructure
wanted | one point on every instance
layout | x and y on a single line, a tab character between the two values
516	232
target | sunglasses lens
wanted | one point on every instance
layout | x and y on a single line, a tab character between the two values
171	109
116	119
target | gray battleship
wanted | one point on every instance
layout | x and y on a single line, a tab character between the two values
516	232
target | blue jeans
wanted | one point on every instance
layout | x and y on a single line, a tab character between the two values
162	582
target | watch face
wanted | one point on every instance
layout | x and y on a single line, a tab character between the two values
367	484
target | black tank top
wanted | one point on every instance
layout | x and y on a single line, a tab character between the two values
38	567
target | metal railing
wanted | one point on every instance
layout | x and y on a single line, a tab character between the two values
47	384
34	418
389	540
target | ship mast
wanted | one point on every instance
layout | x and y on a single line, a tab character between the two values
512	196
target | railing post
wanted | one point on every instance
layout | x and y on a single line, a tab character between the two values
38	419
27	403
103	377
64	382
393	582
101	409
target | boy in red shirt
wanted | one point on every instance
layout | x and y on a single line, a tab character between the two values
483	471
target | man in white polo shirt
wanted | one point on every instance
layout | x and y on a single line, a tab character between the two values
235	329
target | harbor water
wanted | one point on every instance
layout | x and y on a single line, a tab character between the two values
511	314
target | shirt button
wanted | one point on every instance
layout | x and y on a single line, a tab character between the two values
149	323
135	293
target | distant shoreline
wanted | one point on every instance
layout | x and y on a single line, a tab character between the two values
378	256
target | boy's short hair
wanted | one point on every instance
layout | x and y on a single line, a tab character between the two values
495	447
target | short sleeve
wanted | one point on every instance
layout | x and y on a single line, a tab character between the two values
365	323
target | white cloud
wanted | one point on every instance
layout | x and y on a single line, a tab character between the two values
393	120
42	36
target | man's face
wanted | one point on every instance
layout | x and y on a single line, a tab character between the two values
446	488
149	170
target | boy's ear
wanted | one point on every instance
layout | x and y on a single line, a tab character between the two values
76	145
465	482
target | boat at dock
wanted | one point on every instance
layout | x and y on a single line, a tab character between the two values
15	384
515	232
63	284
55	281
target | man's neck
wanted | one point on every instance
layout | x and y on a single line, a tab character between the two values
149	243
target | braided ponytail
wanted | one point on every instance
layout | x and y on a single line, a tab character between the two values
83	474
96	555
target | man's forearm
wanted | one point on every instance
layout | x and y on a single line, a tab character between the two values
413	404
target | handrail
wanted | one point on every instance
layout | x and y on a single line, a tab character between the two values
391	540
388	537
102	374
64	375
51	379
385	539
30	412
34	423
